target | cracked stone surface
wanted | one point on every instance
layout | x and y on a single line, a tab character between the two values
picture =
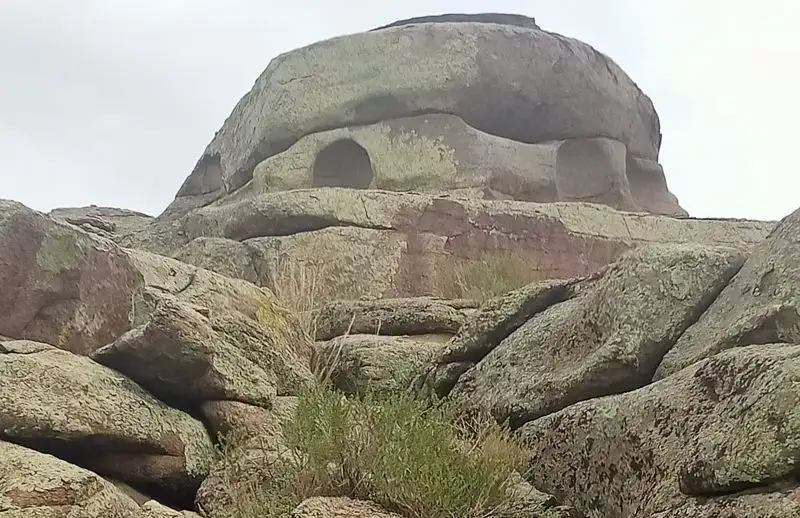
724	425
607	339
760	305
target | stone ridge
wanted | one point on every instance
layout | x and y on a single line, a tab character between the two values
517	20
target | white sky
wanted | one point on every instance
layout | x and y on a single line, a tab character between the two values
111	102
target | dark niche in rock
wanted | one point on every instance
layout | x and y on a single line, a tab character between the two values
343	163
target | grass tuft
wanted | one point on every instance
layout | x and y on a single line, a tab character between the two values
394	450
494	273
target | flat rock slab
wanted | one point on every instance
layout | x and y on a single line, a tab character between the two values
108	222
760	305
404	316
499	18
360	363
37	485
519	83
608	339
81	411
721	426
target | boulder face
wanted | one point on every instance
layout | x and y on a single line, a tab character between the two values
71	407
760	305
487	101
36	485
62	285
608	338
722	426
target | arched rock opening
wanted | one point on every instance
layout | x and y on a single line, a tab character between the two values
343	163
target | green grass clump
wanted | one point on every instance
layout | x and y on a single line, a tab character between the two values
396	451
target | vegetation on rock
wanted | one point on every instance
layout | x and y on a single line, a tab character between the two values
493	274
393	450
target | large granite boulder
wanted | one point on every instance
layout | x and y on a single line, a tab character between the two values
608	338
62	285
488	86
719	438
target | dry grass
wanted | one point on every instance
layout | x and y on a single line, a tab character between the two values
493	274
298	288
400	452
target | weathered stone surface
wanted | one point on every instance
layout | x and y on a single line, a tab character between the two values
383	244
357	364
606	340
525	501
185	355
37	485
90	415
153	509
254	426
61	285
342	262
221	296
499	18
487	328
760	305
326	507
648	187
441	153
778	503
224	256
407	316
545	87
255	468
108	222
723	425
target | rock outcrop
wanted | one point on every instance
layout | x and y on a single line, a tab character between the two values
131	351
463	207
382	244
608	338
452	94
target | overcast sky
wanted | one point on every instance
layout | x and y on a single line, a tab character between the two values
112	102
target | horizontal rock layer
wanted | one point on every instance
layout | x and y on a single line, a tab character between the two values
440	152
386	244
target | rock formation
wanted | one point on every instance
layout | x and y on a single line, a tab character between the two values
450	140
647	361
